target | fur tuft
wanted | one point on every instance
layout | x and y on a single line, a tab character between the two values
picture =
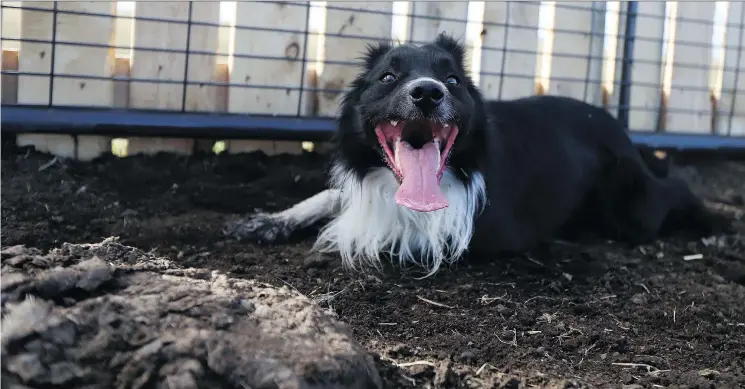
373	53
370	224
452	46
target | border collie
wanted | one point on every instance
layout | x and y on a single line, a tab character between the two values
425	170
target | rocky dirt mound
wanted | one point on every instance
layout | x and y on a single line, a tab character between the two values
111	316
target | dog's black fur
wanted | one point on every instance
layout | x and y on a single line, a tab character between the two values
554	166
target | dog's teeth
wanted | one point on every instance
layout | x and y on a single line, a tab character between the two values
395	154
394	123
446	125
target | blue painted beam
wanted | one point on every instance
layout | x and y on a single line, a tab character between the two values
124	123
116	122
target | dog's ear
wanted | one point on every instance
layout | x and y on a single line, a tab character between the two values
452	46
374	52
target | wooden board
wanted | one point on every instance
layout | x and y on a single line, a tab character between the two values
167	66
596	51
121	100
35	57
613	43
121	88
9	82
86	61
154	65
203	67
287	71
730	114
314	64
315	56
645	93
426	20
689	103
34	90
11	25
80	60
220	105
573	44
518	32
367	22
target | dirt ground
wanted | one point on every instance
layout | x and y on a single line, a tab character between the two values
666	315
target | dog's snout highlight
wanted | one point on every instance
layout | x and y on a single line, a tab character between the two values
426	93
429	92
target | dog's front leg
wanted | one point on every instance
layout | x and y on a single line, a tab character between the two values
278	227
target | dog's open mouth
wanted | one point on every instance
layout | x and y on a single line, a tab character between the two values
417	153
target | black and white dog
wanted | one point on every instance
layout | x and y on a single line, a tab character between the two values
425	170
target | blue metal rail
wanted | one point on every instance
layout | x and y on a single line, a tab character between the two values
123	123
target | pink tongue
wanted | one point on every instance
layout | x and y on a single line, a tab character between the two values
419	190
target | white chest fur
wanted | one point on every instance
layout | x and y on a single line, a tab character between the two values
370	224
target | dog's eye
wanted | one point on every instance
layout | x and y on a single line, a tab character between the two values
387	77
452	80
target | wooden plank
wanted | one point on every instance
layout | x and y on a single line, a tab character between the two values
615	28
367	22
730	113
573	40
35	57
314	56
121	88
518	30
85	61
9	82
316	26
287	71
11	25
221	105
123	30
426	20
689	104
161	66
595	90
121	99
645	94
203	67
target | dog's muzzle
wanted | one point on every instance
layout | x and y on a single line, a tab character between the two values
426	94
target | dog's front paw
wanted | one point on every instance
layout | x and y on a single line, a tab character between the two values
260	228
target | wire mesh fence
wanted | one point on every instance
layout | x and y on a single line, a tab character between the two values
275	70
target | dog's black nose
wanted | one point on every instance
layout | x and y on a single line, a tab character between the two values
427	94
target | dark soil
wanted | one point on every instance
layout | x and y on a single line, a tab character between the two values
602	316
